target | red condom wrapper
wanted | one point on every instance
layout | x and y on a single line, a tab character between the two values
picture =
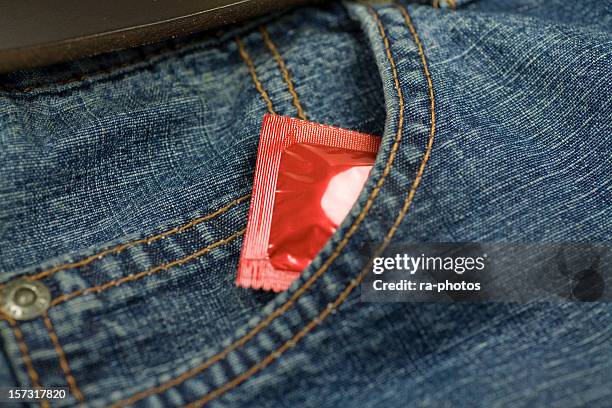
307	178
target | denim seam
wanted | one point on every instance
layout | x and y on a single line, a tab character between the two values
302	289
27	360
354	282
148	240
136	276
63	361
285	72
251	66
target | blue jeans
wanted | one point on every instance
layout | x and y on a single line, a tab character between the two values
125	182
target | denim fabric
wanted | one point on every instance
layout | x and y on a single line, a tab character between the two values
124	182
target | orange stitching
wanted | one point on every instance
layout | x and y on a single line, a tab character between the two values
285	72
432	107
249	62
302	289
353	284
274	355
436	3
25	354
452	3
151	271
63	361
120	248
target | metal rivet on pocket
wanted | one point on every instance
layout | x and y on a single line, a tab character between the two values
24	300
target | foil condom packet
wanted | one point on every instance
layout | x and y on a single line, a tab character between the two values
307	178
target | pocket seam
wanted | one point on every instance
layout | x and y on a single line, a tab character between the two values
251	66
302	289
63	362
283	68
122	247
27	360
354	282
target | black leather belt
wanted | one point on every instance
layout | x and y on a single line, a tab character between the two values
41	32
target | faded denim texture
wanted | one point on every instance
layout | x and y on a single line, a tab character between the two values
124	183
